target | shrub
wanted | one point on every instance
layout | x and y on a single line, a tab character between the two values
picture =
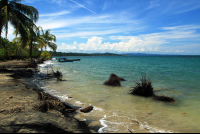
45	54
2	54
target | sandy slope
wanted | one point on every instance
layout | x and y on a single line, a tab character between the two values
18	98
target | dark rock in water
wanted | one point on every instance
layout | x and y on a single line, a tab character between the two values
114	80
121	79
87	109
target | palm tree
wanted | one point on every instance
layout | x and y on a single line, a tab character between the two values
49	40
19	15
34	39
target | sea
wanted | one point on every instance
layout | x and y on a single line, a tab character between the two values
115	110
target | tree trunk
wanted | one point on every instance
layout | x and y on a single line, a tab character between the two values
31	45
41	52
1	18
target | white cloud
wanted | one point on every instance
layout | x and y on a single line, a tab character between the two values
67	48
55	14
145	42
153	4
83	7
105	6
95	44
92	44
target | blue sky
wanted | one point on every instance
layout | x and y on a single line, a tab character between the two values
121	26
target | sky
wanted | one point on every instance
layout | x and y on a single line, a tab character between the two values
121	26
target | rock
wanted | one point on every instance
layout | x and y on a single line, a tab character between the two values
87	109
114	80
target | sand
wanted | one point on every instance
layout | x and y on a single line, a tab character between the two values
25	108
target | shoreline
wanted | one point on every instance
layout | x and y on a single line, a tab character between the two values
27	108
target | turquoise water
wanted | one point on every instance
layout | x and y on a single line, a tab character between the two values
115	110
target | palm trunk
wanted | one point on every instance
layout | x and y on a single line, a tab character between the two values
31	45
41	52
0	31
1	18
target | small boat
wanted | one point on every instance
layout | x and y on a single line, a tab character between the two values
76	59
64	59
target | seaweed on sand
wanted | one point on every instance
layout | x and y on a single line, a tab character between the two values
143	87
114	80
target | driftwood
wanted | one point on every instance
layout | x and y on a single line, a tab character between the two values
114	80
58	74
12	110
87	109
48	102
143	88
164	98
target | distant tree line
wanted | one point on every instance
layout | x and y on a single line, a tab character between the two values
81	54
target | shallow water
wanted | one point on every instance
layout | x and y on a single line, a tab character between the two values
118	111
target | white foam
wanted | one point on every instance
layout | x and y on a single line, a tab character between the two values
153	130
75	71
46	64
99	109
64	97
78	102
103	124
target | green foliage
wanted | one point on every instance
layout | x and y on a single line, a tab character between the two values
22	17
45	54
2	54
49	39
19	15
3	42
35	52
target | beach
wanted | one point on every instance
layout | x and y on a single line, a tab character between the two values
31	102
25	108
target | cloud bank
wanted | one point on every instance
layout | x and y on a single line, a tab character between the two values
151	43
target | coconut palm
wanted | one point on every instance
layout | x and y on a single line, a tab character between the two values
19	15
49	40
33	40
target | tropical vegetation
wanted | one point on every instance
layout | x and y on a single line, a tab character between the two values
29	37
45	54
82	54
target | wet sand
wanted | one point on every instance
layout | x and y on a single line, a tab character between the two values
25	108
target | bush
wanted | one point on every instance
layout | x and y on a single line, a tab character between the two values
2	54
45	54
